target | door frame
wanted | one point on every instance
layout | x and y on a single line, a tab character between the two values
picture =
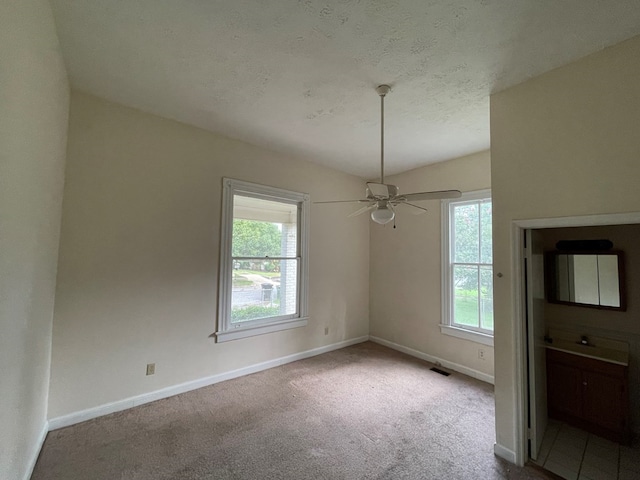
518	294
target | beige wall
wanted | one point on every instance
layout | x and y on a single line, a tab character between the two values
562	144
139	256
405	270
34	102
623	326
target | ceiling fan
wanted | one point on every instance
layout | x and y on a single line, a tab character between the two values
381	198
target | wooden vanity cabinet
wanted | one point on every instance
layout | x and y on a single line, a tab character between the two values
590	394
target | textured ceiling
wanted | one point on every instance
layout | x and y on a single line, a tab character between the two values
299	76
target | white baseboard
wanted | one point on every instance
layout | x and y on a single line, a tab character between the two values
504	452
35	451
105	409
433	359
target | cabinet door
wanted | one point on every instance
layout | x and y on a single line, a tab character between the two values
564	389
604	400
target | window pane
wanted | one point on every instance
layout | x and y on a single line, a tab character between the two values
264	288
486	298
486	255
466	233
465	295
264	228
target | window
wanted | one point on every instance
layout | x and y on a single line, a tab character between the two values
467	263
263	260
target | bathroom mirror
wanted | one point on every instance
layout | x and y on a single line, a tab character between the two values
586	279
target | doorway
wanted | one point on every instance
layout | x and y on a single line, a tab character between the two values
528	288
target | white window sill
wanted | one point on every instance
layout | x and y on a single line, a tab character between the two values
477	337
236	333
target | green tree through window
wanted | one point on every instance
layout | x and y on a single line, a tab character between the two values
252	238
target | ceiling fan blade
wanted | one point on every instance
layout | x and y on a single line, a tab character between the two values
345	201
378	190
432	195
362	210
417	210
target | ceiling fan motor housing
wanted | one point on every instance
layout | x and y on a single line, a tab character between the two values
380	190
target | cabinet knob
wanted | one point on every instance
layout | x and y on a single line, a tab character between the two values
584	383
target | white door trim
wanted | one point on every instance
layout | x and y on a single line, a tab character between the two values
518	228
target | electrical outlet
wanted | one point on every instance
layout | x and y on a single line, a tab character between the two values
326	330
481	354
151	368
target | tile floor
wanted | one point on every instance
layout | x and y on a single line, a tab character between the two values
574	454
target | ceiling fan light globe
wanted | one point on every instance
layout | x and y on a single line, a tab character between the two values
382	215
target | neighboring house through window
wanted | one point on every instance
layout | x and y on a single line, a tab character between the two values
467	263
263	261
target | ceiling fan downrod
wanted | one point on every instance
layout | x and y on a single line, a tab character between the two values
382	91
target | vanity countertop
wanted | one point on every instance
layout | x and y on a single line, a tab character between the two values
610	355
599	348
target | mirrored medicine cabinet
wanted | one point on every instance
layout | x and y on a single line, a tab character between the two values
587	279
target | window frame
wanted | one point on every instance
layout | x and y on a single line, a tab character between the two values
226	330
448	327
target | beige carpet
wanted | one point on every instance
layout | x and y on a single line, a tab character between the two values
363	412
